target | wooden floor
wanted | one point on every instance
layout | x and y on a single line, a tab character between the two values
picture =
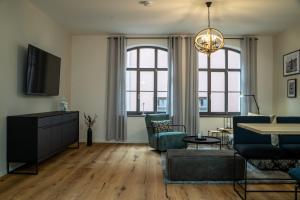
112	171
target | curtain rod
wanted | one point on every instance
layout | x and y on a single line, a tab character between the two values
136	38
237	38
166	37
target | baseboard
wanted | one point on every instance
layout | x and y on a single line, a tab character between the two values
116	142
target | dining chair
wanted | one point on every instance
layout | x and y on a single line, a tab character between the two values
251	145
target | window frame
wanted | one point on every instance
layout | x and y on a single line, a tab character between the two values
209	70
138	71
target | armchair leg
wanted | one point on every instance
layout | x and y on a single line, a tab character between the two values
246	177
296	191
234	177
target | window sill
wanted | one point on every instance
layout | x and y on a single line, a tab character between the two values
201	115
136	115
218	116
214	116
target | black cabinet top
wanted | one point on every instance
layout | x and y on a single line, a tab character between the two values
45	114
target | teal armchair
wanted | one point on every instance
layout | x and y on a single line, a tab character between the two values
164	140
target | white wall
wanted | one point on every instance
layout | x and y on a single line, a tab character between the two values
285	42
88	80
89	54
265	74
22	23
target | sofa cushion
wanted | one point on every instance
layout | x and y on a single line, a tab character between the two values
291	151
258	151
288	139
244	136
161	126
170	140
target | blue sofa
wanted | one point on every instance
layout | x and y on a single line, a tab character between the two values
290	144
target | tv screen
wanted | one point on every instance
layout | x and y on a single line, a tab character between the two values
43	73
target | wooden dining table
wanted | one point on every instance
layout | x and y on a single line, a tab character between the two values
272	129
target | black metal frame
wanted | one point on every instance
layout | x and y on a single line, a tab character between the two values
205	143
297	186
287	90
209	70
246	179
138	70
35	164
223	134
16	170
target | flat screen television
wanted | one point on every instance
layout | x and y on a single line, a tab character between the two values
42	73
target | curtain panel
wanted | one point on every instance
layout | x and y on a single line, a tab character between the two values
116	115
248	74
191	90
175	94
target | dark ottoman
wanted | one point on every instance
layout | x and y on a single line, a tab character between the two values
202	165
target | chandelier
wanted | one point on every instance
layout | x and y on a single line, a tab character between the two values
210	39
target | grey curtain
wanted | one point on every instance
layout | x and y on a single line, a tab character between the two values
175	103
248	74
116	115
191	90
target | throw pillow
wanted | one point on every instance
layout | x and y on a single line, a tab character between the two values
272	117
162	126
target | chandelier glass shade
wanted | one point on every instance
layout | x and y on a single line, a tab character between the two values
210	39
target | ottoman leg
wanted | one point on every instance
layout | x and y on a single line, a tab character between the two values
296	192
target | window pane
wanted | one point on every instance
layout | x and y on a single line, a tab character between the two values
234	102
132	59
162	101
234	81
217	59
162	59
146	101
131	80
131	101
162	80
202	83
217	102
234	60
147	81
217	81
202	60
147	59
203	102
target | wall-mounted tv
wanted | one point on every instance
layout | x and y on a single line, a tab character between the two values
42	73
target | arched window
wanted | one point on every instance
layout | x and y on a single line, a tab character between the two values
219	82
146	80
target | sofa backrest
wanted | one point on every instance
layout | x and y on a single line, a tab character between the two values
288	119
288	139
243	136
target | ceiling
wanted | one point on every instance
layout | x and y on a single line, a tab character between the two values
232	17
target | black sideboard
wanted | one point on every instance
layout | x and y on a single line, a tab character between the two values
33	138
